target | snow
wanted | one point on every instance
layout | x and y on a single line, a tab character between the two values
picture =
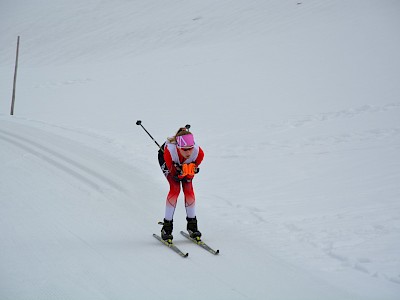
295	103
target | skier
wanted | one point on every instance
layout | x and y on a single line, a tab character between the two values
179	158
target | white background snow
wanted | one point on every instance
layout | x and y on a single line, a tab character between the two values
295	103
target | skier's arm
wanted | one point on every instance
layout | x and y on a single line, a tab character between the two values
200	157
169	162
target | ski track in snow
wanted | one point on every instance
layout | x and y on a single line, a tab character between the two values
53	154
85	167
91	213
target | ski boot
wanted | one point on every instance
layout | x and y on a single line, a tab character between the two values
192	228
166	230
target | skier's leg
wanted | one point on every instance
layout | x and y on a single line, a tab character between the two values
170	205
172	197
190	199
190	203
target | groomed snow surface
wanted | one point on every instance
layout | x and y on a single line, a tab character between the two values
295	103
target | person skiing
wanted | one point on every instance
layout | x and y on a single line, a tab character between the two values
179	158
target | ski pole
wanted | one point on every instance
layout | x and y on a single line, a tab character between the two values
138	122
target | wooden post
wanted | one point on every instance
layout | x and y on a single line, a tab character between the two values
15	79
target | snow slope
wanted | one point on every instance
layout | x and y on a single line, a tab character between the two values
296	105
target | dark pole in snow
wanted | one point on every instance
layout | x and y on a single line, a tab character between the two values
15	79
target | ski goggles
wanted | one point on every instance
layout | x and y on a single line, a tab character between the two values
186	149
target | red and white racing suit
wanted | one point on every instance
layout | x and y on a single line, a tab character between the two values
168	160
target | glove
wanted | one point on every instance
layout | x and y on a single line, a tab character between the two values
189	169
186	171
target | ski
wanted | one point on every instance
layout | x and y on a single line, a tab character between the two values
200	243
171	245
